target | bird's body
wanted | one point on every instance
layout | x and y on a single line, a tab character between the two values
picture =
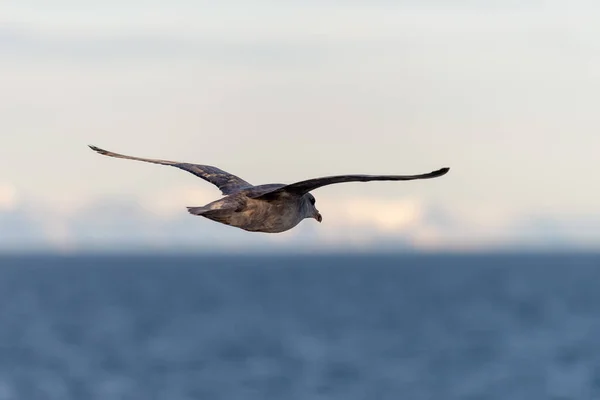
270	208
254	215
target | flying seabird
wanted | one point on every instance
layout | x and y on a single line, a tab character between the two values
270	208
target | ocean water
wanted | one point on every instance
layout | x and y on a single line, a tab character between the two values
300	327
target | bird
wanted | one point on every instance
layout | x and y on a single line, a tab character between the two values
269	208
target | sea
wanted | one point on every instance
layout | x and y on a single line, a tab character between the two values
300	327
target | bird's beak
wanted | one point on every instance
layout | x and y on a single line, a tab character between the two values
318	216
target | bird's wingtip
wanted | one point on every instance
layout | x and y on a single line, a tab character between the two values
97	149
439	172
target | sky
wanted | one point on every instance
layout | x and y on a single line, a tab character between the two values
505	93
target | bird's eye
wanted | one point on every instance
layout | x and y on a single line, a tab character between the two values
312	201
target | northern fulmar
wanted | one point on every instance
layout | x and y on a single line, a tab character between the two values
270	208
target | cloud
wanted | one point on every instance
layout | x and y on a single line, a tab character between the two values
169	204
81	46
291	33
559	231
159	222
8	197
288	91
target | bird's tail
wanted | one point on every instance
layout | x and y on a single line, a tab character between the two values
222	216
197	210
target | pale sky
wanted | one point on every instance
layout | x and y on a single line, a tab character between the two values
503	92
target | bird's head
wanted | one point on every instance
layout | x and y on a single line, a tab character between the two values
311	210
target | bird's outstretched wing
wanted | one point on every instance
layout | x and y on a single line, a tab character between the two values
225	181
303	187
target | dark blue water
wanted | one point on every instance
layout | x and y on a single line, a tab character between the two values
368	327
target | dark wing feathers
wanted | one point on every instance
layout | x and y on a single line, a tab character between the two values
225	181
303	187
229	183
